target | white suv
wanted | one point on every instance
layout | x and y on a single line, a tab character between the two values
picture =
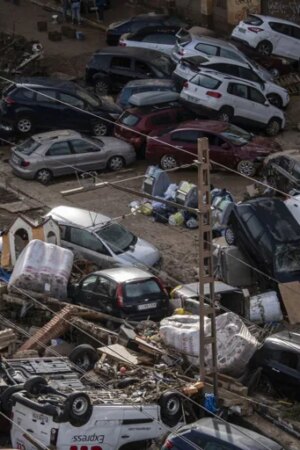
277	95
232	100
269	35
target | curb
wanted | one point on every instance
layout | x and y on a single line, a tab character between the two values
90	22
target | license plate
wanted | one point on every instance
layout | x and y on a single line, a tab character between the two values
146	306
242	30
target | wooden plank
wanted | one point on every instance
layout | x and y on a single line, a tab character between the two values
290	297
120	353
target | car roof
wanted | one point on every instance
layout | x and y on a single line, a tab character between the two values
149	16
223	77
153	98
77	216
57	134
292	154
215	41
275	19
235	435
151	30
192	289
124	274
46	82
285	338
142	111
149	82
131	52
221	60
205	125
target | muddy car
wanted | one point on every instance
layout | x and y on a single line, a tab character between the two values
282	170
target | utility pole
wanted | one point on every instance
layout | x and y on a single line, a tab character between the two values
206	270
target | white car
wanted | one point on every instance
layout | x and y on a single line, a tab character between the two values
150	39
269	35
277	95
231	99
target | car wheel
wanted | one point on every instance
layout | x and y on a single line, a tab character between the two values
275	100
24	124
265	48
84	356
246	167
168	162
229	236
44	176
225	114
115	163
170	408
6	398
35	385
100	129
78	408
273	127
101	87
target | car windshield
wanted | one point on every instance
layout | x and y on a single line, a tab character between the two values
142	289
129	119
236	135
86	97
96	141
287	258
118	238
206	81
27	147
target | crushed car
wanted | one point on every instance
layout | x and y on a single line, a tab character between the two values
282	170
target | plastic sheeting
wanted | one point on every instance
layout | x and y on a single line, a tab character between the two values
235	344
43	268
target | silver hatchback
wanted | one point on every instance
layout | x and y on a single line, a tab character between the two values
48	155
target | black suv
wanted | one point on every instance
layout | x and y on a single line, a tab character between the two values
136	23
45	104
265	230
110	69
278	361
282	170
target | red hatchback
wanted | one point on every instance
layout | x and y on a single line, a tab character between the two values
148	119
229	145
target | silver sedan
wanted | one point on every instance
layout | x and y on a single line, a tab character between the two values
48	155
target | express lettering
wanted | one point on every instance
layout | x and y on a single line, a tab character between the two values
99	438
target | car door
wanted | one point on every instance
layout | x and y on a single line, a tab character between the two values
142	70
238	99
296	42
259	107
221	151
121	71
86	294
282	39
72	115
186	143
60	159
88	155
85	244
103	295
47	109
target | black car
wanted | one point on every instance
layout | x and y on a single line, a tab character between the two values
278	360
44	104
110	69
136	23
138	86
282	170
268	234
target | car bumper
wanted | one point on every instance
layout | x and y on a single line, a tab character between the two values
22	173
199	109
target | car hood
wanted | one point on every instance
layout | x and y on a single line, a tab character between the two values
143	252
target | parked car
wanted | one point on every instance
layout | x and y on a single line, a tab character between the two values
277	95
282	170
229	146
138	86
44	104
215	434
126	292
269	35
278	362
150	38
48	155
136	23
293	205
109	69
268	234
137	121
101	240
232	99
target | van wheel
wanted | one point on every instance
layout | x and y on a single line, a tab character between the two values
246	167
101	87
265	48
6	402
275	100
229	236
44	176
100	128
84	356
170	408
78	409
273	127
35	385
225	114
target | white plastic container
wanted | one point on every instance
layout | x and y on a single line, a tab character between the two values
265	308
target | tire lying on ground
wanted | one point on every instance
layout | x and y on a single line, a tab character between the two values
84	356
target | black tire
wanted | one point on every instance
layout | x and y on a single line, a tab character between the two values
265	48
275	100
129	381
168	162
84	356
44	176
170	408
101	87
100	128
116	163
273	127
6	401
78	409
229	236
35	385
225	114
246	167
24	124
